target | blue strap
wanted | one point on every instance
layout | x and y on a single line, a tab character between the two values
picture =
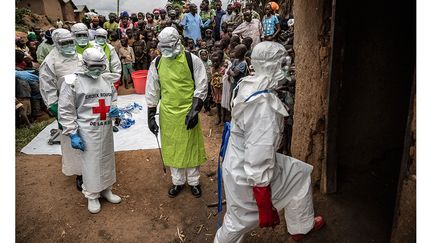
224	144
257	93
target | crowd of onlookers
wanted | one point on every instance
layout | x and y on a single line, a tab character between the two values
223	39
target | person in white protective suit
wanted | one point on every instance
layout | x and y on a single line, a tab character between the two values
259	182
82	39
113	61
86	105
179	81
61	61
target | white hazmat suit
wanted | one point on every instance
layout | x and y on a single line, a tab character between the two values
86	100
53	68
113	61
251	160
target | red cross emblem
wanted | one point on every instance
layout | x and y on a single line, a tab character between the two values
101	109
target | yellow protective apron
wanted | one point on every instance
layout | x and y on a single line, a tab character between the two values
181	148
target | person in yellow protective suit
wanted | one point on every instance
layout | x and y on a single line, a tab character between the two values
179	80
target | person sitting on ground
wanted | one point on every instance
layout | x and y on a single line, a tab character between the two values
127	59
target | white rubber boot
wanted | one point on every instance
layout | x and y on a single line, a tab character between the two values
110	197
93	205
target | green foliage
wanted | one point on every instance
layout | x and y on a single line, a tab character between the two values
24	135
19	15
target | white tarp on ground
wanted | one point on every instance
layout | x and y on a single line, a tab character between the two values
136	137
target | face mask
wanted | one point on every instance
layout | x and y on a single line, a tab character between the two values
68	50
100	41
93	73
171	51
82	41
167	52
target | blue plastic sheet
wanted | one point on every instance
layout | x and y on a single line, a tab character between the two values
126	115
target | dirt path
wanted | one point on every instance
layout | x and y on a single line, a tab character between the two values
50	209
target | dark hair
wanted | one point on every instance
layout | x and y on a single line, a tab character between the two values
242	49
19	56
224	42
247	41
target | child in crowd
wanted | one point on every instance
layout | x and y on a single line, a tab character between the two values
217	71
153	51
247	41
140	52
239	66
203	54
127	58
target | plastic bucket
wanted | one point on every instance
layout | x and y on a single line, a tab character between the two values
139	79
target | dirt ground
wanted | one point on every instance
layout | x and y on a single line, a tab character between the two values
50	209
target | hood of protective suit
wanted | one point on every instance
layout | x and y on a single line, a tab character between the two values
266	58
94	57
79	28
169	42
61	35
101	36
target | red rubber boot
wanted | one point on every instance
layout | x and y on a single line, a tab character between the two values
318	224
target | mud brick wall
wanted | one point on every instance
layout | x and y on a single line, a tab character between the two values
311	46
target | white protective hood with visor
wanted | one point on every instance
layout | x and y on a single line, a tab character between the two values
78	30
169	42
251	159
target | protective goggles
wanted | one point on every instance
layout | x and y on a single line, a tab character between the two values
66	42
168	46
99	67
81	35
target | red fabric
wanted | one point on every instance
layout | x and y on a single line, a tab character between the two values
268	215
102	110
117	84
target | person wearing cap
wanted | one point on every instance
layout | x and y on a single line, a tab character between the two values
113	61
192	24
62	60
81	34
156	14
45	47
87	105
125	23
179	83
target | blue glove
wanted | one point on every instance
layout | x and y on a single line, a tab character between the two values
114	112
77	142
28	76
